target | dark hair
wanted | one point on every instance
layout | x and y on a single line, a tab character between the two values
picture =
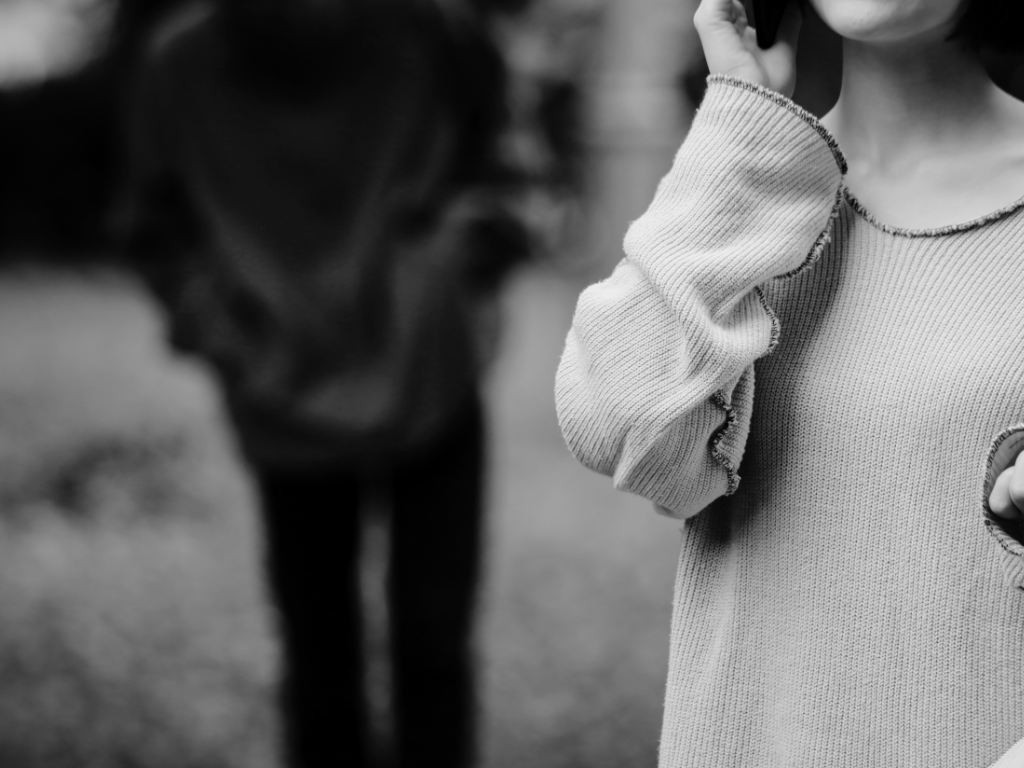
992	24
292	48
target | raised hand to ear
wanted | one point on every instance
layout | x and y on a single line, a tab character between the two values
730	44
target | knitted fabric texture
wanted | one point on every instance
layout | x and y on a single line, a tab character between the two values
851	602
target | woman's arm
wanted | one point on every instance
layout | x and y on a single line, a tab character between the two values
655	386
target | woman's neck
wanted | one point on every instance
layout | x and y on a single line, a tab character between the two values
900	104
930	140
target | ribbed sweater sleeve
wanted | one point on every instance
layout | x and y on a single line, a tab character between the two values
655	386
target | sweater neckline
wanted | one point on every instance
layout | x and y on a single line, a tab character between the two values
950	229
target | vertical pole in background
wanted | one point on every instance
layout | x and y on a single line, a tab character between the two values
635	116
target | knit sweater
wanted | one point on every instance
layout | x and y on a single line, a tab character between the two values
851	601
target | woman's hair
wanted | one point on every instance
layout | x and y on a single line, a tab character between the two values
993	24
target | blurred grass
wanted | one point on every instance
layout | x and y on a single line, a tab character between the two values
133	625
133	630
577	604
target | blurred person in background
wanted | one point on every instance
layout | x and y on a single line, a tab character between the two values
321	204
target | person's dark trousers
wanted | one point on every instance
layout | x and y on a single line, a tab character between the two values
312	535
435	555
311	527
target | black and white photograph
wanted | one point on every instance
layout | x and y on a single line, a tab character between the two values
511	384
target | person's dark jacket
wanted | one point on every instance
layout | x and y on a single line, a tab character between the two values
329	237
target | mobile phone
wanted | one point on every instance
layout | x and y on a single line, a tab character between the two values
767	17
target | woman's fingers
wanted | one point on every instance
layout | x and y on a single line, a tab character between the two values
714	12
730	47
1008	486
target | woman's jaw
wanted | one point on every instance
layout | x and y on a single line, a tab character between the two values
891	22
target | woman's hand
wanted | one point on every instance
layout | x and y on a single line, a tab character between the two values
1007	497
730	44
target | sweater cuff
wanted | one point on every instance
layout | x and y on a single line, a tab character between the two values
723	82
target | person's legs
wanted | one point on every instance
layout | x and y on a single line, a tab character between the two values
437	507
312	545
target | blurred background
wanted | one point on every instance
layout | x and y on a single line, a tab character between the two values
135	623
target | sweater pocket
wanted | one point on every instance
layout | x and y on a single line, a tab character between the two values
1009	534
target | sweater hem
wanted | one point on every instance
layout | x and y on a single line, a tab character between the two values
823	239
776	333
732	475
950	229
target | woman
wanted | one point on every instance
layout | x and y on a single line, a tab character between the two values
858	599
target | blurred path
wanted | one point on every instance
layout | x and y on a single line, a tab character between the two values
576	620
132	621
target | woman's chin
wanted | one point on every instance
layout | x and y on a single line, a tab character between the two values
888	21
